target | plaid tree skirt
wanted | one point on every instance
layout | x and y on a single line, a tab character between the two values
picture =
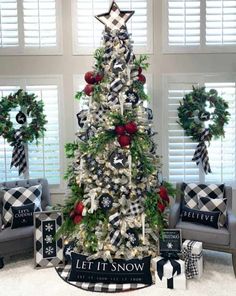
64	273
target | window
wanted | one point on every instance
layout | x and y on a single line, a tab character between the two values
199	25
44	159
179	148
30	27
87	31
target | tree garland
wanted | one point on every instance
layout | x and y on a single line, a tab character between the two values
30	107
193	113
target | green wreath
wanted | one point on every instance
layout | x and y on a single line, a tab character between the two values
199	107
30	108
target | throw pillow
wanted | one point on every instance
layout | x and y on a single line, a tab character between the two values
210	219
213	205
192	190
22	216
20	196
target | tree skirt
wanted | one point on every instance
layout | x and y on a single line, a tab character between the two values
64	273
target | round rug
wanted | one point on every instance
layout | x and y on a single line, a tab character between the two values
64	272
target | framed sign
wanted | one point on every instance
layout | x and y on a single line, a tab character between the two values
48	251
171	241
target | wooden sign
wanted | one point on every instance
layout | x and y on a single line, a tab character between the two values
171	241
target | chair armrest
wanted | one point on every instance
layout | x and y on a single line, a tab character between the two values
174	215
232	229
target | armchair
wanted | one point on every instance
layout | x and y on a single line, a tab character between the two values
223	239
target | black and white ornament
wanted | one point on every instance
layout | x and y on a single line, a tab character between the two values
82	118
149	113
105	201
132	97
133	237
20	117
92	164
204	115
118	66
118	160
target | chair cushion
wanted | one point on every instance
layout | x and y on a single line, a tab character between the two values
192	190
9	234
204	234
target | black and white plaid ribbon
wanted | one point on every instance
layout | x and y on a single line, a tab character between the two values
201	153
18	155
115	235
116	85
191	260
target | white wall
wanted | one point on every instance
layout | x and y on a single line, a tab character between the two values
68	65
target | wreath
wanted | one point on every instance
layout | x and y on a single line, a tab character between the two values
30	117
203	115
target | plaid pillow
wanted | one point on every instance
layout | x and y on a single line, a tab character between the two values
208	204
20	196
192	190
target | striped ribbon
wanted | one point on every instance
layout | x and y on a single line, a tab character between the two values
191	260
201	153
18	154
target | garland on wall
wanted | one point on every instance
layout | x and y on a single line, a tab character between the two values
203	115
30	125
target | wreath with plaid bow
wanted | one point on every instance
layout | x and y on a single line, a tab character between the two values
203	115
30	117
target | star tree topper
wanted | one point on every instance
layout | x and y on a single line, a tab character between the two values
115	19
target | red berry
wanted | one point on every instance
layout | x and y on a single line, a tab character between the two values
72	214
79	208
98	77
140	70
89	77
88	89
120	129
161	207
124	140
77	219
142	78
164	194
131	127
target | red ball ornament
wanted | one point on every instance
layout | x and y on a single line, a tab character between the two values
88	89
164	194
124	140
142	78
120	129
140	70
161	207
98	77
131	127
77	219
79	208
89	77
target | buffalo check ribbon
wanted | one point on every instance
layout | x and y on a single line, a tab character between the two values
191	260
201	153
18	155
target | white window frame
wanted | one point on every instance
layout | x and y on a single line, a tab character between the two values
22	50
197	79
34	80
202	48
77	50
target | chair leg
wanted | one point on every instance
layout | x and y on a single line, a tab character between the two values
234	262
1	262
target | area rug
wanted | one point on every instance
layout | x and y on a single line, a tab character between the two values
19	278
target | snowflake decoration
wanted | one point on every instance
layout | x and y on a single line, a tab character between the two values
169	245
132	97
48	239
106	202
49	227
132	238
49	250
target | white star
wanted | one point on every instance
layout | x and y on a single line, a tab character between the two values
169	245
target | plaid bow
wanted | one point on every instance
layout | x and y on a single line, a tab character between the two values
18	154
115	235
201	153
190	261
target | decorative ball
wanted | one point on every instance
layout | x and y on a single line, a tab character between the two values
105	201
77	219
124	140
161	207
89	77
88	89
118	160
140	70
133	237
21	118
131	127
132	97
204	115
120	129
142	78
79	208
164	194
98	77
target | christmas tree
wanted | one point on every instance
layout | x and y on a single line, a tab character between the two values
116	208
